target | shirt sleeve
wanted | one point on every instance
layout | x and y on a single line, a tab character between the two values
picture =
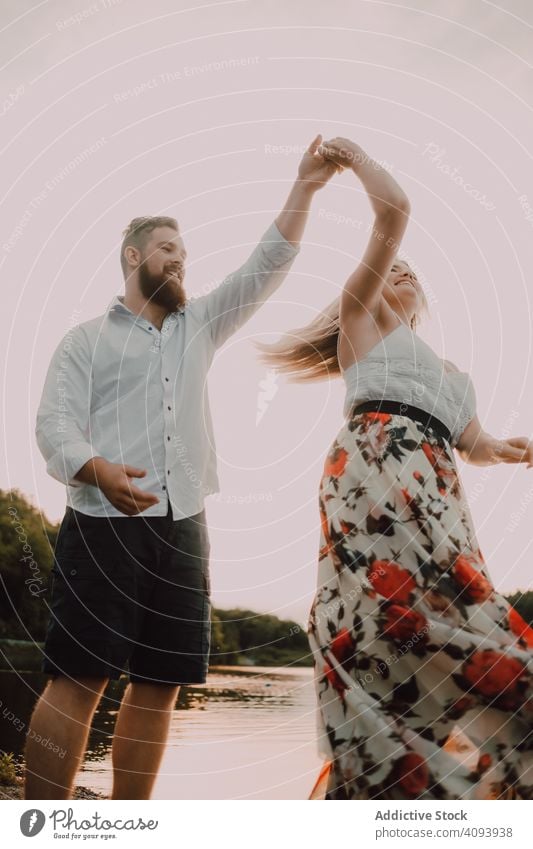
242	292
62	423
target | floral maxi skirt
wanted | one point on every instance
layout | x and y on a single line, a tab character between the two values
411	642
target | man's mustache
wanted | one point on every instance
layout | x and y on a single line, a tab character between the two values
175	269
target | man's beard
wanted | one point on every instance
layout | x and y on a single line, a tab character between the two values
157	289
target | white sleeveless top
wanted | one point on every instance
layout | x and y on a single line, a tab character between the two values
402	367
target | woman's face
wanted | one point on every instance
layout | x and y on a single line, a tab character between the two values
402	291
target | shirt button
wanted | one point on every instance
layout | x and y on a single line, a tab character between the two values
170	408
168	438
149	328
166	378
163	487
73	571
168	471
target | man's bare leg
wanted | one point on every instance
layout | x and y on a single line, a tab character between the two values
63	715
140	737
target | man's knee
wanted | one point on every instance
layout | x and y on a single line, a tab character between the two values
84	690
155	695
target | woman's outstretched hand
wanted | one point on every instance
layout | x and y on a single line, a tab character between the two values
519	449
314	168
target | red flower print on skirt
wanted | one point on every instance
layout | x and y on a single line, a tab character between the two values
334	679
475	585
342	647
484	762
445	470
336	462
374	416
403	623
497	676
325	530
519	627
390	580
411	773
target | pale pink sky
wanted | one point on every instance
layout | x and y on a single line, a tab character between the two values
131	93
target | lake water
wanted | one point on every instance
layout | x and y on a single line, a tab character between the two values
248	733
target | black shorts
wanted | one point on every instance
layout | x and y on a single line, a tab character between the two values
130	594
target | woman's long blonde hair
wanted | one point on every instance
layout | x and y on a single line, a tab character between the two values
310	353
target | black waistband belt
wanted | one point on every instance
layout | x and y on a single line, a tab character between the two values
386	406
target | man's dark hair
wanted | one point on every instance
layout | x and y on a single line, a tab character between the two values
138	231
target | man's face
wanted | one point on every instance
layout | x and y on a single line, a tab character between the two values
162	269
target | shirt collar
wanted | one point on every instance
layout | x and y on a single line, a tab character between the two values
118	305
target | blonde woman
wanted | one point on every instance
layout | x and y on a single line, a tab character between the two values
409	635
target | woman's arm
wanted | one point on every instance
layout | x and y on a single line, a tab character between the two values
479	448
362	291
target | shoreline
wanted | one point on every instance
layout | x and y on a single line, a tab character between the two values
15	789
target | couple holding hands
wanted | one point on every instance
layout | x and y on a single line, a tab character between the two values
409	637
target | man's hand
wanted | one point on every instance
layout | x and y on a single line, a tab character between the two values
314	168
114	479
313	173
116	485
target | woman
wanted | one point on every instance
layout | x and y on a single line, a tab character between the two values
409	636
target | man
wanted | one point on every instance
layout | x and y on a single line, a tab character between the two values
124	423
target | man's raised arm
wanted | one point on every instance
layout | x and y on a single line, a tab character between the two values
241	293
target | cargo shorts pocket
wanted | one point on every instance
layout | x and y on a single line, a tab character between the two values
80	594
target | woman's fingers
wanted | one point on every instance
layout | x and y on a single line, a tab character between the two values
510	455
522	442
519	449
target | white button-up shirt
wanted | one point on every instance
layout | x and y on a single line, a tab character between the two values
119	388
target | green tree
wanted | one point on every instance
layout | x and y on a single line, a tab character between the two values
262	639
523	603
27	539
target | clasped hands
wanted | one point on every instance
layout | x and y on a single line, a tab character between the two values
322	160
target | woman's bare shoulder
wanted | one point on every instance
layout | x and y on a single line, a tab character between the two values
359	334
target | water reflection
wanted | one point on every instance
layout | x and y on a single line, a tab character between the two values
246	733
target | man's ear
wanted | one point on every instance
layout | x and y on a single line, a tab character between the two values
132	255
